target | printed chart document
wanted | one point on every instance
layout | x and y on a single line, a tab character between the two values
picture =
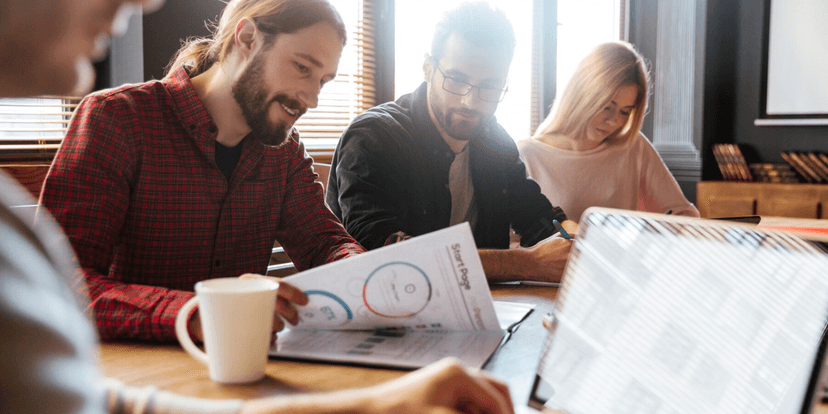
404	305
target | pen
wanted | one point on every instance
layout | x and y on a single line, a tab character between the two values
538	283
560	228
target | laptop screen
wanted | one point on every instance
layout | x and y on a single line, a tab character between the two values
663	314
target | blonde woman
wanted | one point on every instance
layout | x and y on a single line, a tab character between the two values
590	152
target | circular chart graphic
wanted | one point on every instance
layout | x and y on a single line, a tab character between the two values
397	290
325	309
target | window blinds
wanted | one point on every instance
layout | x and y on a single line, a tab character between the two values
31	129
353	90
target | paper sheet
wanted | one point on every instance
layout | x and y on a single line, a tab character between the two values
404	306
434	281
400	348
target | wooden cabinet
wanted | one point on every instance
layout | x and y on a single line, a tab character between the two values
727	198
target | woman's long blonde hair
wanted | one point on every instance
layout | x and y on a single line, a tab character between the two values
271	16
600	74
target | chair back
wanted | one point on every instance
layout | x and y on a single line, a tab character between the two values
324	170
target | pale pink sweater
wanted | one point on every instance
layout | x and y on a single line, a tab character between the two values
627	175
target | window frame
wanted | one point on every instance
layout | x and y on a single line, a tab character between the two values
380	31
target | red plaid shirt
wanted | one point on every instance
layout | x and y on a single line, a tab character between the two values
137	190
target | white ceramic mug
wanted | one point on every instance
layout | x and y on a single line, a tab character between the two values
236	322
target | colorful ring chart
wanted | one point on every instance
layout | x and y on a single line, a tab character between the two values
325	309
397	290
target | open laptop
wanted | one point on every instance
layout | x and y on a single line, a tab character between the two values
663	314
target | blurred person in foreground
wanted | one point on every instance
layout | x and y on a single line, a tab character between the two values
48	347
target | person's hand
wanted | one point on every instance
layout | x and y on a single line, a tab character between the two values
548	258
444	387
571	227
286	297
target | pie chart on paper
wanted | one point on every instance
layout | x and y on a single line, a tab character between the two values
397	290
325	310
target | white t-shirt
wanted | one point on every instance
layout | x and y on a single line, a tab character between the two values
462	190
628	175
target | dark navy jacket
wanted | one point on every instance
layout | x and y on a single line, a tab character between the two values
390	173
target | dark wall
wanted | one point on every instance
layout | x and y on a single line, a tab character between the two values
385	40
166	28
720	78
733	87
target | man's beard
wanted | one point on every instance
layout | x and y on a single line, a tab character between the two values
255	106
459	129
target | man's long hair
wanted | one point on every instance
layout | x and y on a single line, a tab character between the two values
272	17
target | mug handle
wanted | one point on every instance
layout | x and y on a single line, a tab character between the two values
184	336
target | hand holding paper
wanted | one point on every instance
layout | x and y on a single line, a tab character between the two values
434	281
430	290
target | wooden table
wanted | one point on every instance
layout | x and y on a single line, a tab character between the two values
169	368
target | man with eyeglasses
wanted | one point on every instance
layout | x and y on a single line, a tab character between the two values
437	157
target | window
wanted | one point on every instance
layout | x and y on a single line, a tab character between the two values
582	25
31	129
353	90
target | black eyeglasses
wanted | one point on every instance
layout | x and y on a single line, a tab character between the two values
458	87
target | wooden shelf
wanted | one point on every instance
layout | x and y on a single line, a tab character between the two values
730	198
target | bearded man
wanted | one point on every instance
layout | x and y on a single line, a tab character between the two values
162	184
437	157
